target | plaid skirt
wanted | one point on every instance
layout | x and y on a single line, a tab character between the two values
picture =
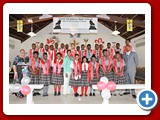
34	79
57	79
74	82
84	81
108	75
119	79
45	79
95	80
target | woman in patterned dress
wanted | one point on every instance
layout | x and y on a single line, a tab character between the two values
75	79
119	76
57	74
85	76
44	73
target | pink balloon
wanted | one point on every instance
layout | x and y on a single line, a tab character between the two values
101	85
111	86
25	90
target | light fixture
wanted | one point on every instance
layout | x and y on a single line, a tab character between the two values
31	34
45	16
115	32
103	16
30	20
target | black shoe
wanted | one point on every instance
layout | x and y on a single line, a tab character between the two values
38	93
76	95
55	93
134	96
34	94
94	94
59	93
120	94
126	93
90	94
115	94
44	95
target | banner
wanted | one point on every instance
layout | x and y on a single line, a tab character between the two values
129	25
19	25
74	25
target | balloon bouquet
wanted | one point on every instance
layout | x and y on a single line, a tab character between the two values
23	87
106	87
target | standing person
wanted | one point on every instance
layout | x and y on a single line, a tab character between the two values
85	76
57	75
56	47
62	50
78	51
67	71
73	51
75	79
44	73
20	62
110	51
131	61
128	43
117	49
118	67
89	52
94	74
106	65
83	51
66	48
30	54
34	68
41	50
51	53
97	52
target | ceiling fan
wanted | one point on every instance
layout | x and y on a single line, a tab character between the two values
31	34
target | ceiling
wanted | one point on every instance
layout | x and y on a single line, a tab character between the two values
138	24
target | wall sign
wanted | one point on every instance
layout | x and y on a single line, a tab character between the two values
74	25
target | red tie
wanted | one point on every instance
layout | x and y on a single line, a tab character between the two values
84	66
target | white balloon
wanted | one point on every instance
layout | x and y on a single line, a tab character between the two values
104	79
15	88
25	80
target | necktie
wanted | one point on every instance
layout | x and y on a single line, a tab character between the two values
84	66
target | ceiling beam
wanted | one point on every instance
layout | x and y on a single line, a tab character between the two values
123	21
36	19
138	33
19	32
19	38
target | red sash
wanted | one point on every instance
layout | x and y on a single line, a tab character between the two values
124	49
30	54
45	71
84	53
58	65
33	63
99	53
41	50
121	65
90	68
51	54
104	63
77	66
111	52
62	52
73	52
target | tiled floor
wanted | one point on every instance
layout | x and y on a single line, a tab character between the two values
70	99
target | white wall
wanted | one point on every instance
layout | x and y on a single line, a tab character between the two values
15	51
103	33
140	50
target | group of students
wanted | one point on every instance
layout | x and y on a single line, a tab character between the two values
80	67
